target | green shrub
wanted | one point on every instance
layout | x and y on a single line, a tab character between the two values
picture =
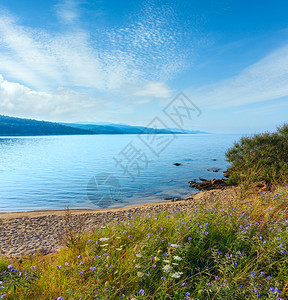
263	155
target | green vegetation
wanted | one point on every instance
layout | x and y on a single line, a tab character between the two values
223	250
10	126
260	157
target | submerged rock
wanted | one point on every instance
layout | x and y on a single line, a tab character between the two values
177	164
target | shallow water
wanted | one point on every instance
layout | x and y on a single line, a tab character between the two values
52	172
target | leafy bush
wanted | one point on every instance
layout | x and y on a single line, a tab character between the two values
265	155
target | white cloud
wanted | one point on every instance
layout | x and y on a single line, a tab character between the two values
67	11
154	89
263	81
62	104
149	48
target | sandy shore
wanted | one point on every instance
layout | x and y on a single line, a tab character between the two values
24	233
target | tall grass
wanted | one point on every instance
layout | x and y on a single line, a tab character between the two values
231	250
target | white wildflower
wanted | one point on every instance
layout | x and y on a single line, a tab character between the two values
104	245
166	261
103	239
167	268
176	274
177	257
138	255
140	274
174	245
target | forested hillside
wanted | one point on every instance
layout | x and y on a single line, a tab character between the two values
10	126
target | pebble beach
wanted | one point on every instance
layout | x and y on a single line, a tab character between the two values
26	233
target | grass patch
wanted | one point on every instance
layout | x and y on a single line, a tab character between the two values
233	250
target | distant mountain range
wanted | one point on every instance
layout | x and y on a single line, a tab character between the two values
111	128
10	126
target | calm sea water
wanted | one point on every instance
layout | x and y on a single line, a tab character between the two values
52	172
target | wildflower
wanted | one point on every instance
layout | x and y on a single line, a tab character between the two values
138	255
166	261
269	278
239	253
33	267
177	257
154	266
79	256
104	245
141	292
58	267
234	263
174	245
176	274
163	278
81	272
92	268
103	239
81	263
140	274
206	232
167	268
165	254
90	241
253	274
10	266
66	264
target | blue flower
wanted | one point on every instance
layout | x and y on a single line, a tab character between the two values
142	292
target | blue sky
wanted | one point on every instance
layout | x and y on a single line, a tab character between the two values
124	61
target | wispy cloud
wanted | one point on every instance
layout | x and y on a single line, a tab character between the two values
67	11
265	80
150	47
154	89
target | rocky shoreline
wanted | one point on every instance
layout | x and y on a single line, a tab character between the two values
25	233
207	185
